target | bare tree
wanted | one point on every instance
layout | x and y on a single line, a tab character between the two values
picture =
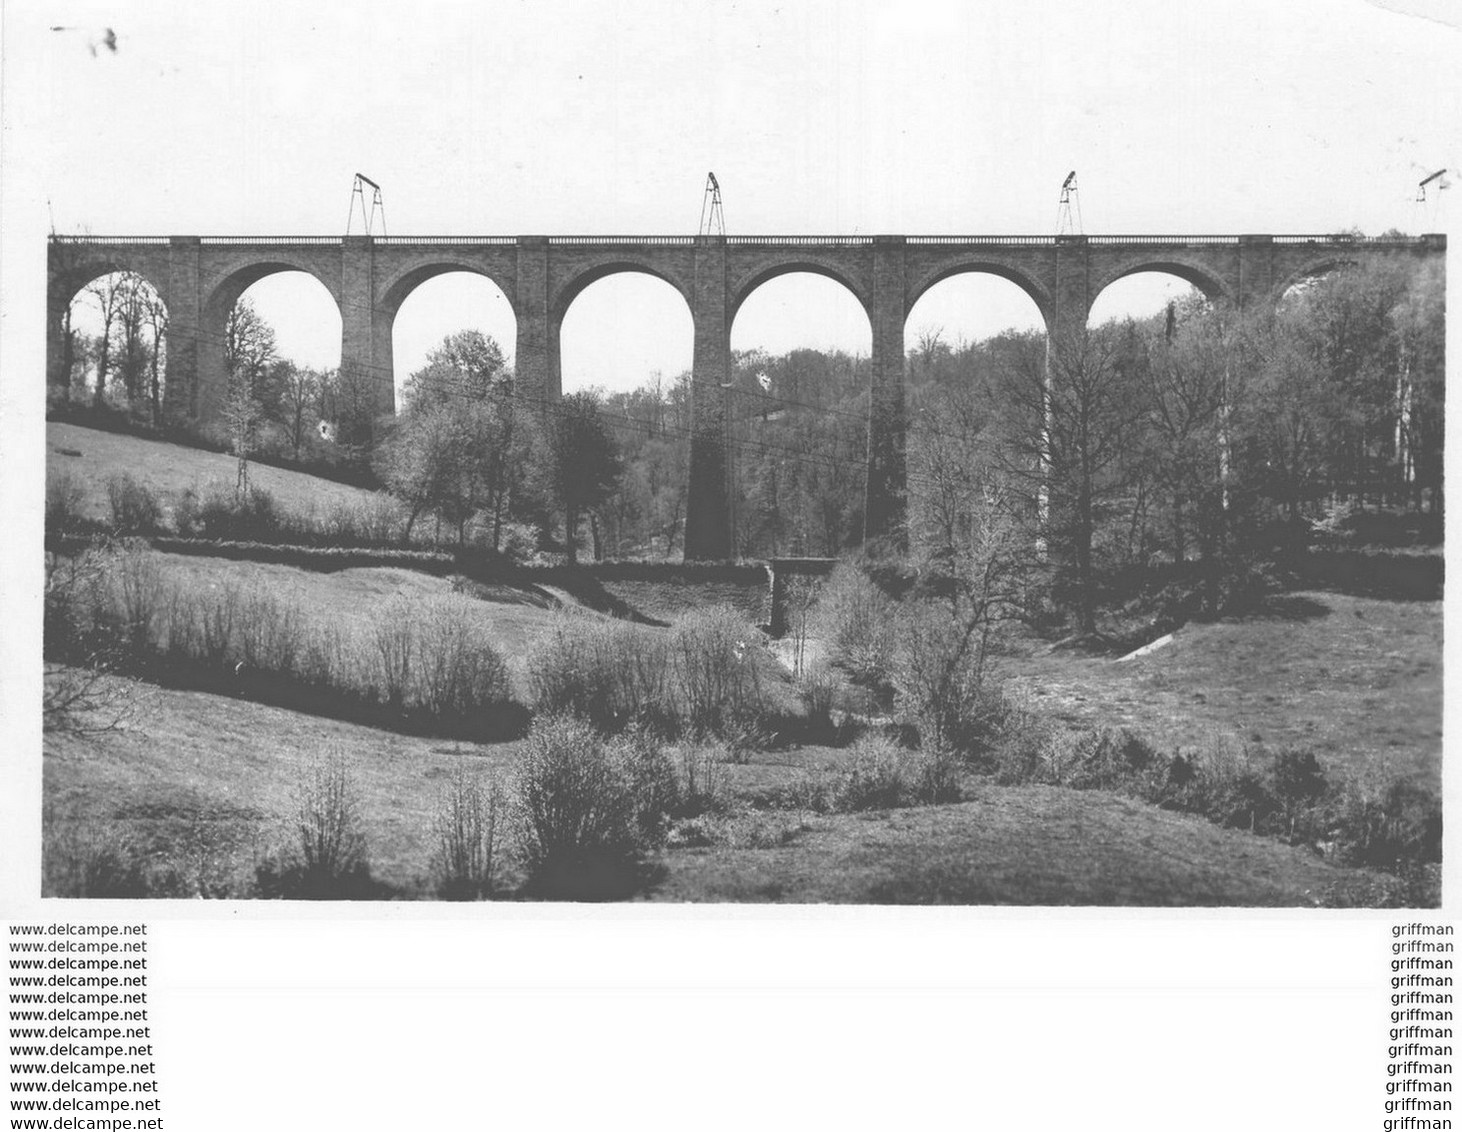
108	296
156	313
298	394
1071	417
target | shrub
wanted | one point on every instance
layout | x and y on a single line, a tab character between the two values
84	864
654	784
186	514
701	786
610	673
875	778
859	620
328	834
716	674
134	507
939	675
456	670
1388	823
394	635
882	775
135	600
1108	758
267	634
64	497
938	779
1020	738
1299	783
466	827
223	513
377	520
578	824
819	693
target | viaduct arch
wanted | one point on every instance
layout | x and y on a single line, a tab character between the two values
199	277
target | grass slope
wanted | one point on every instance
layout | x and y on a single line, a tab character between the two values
224	773
1023	845
1358	681
211	781
171	468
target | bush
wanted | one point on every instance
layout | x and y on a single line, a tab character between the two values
64	497
939	676
716	674
819	693
80	864
578	820
137	600
859	620
466	827
1299	784
457	671
701	784
329	839
1019	738
654	783
223	513
134	507
882	775
874	779
1388	823
610	673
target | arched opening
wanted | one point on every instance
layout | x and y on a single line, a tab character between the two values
628	338
1304	281
277	349
969	339
1153	379
1143	295
797	420
952	324
622	330
442	307
112	348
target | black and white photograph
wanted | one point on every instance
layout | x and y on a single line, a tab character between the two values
742	454
738	563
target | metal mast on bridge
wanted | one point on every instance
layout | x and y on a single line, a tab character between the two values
1068	212
713	222
357	192
1429	193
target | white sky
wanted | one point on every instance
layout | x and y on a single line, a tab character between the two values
833	117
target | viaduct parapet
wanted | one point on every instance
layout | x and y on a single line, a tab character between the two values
200	278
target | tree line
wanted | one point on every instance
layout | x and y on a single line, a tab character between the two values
1191	439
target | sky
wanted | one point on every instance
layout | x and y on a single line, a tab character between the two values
822	117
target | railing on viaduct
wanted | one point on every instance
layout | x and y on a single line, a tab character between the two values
200	277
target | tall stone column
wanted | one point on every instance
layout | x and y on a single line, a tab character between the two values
1070	291
708	532
535	365
884	515
363	326
58	377
1256	269
185	400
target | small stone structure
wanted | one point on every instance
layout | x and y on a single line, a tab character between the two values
782	570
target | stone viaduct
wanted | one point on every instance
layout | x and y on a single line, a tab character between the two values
200	278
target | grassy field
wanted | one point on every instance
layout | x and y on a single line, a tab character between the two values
514	617
1031	845
211	782
1358	681
91	457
